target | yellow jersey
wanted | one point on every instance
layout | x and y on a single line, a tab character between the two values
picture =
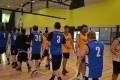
45	42
82	40
68	39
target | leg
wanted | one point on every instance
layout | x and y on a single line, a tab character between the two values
116	70
14	62
0	58
65	59
28	65
19	66
82	68
114	76
64	66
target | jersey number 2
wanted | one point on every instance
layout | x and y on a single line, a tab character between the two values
98	51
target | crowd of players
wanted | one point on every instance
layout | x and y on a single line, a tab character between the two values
56	46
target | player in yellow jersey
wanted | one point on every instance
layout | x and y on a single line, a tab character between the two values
45	48
81	41
66	50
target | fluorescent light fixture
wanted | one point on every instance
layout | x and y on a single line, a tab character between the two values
5	16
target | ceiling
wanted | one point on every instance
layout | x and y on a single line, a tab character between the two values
37	4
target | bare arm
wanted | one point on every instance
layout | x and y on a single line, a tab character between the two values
83	52
77	41
113	47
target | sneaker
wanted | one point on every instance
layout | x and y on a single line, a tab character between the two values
59	78
14	65
34	73
19	69
52	78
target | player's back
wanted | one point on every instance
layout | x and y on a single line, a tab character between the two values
56	43
94	59
36	41
3	38
13	38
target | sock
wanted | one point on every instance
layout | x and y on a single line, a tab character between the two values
52	78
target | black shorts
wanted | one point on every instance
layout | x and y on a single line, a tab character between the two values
56	62
2	50
35	57
45	53
86	78
66	55
116	67
22	57
13	50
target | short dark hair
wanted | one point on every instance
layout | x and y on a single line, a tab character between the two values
2	28
23	31
66	27
18	29
46	31
35	28
83	26
14	29
57	25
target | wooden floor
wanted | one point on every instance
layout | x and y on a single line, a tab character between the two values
7	73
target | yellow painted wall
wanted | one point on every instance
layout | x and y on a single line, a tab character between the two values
103	13
106	12
30	20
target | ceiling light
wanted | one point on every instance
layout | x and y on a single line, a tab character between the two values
8	6
33	1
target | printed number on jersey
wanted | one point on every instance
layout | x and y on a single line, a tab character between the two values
98	51
37	38
4	35
14	37
58	39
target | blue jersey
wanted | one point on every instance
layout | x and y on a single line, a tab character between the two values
94	59
36	42
3	39
13	38
56	43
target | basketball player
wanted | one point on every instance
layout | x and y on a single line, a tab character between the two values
82	41
22	45
56	39
115	48
36	41
3	42
13	48
93	54
66	50
45	48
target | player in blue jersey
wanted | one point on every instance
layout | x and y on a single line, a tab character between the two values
13	48
93	53
56	39
36	43
3	42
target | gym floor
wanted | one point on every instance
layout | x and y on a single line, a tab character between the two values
7	73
